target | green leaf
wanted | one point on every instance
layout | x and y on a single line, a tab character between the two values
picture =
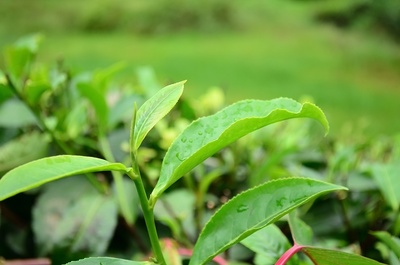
153	110
80	220
107	261
38	172
252	210
269	244
334	257
389	241
148	81
98	102
387	178
176	209
207	135
301	232
14	114
22	150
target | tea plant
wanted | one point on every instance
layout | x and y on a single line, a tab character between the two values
240	217
247	218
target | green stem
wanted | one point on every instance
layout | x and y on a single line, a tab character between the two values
148	214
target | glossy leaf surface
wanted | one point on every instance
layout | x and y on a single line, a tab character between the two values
154	110
107	261
334	257
207	135
252	210
38	172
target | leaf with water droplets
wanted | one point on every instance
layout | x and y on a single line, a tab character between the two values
252	210
153	110
207	135
39	172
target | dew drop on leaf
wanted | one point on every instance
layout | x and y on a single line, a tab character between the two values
184	139
180	156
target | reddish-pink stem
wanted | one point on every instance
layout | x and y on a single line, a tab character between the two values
288	254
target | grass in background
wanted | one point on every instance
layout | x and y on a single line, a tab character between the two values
353	77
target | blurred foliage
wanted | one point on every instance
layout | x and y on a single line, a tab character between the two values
55	111
165	17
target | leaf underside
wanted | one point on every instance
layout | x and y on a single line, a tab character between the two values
252	210
334	257
207	135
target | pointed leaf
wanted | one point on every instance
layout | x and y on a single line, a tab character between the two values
38	172
302	234
334	257
387	178
252	210
153	110
390	241
107	261
207	135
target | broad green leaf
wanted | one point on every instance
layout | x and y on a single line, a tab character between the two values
269	244
334	257
252	210
98	101
301	232
387	178
207	135
154	110
22	150
38	172
107	261
80	220
389	241
14	114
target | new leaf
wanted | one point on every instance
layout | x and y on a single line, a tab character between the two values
153	110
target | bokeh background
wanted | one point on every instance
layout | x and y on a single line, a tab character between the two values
344	55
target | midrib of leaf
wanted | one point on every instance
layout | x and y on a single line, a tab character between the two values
237	129
153	108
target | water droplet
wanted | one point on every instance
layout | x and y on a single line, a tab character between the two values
242	208
200	133
180	156
184	139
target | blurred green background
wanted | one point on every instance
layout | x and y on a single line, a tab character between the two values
344	55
